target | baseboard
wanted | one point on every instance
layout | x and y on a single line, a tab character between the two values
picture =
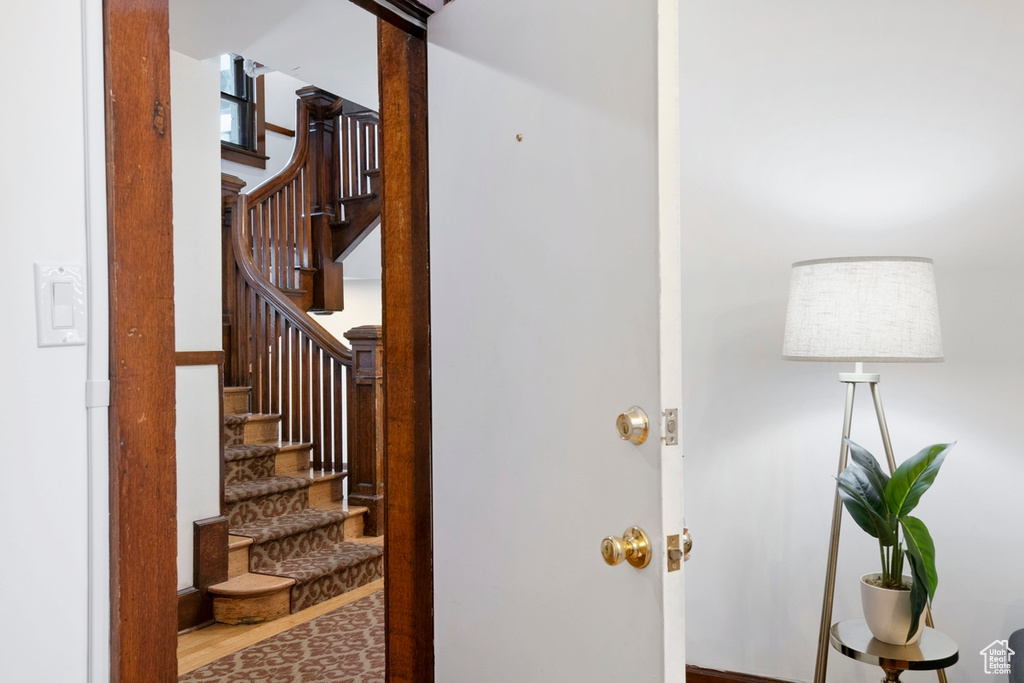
190	610
210	566
696	674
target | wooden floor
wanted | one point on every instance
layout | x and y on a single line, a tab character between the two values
201	647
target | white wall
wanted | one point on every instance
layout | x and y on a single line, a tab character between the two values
329	43
829	129
195	103
44	493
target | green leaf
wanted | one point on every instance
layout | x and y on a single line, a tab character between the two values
920	545
860	455
866	507
913	478
918	593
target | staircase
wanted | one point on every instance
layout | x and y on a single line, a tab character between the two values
302	411
290	543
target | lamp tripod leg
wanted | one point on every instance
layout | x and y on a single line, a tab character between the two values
877	397
821	663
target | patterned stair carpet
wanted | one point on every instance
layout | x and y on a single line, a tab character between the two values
345	645
290	539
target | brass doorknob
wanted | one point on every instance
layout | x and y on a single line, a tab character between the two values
632	425
633	546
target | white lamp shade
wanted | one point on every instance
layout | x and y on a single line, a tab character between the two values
881	309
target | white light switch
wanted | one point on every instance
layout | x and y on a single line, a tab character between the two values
60	304
63	305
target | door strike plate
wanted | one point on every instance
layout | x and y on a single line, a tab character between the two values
671	426
674	554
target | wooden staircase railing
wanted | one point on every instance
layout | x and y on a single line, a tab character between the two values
282	243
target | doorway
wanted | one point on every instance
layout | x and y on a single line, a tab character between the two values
143	604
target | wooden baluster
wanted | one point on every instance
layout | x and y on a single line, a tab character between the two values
304	240
316	393
373	148
366	425
263	361
275	362
289	234
295	379
346	166
337	416
306	424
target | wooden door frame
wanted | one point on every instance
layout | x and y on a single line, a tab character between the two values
143	547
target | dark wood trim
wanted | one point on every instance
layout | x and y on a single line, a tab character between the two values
280	130
190	610
183	358
366	426
243	156
143	533
143	635
395	19
413	8
209	566
409	598
696	674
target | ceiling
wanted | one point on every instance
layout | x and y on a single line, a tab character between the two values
329	43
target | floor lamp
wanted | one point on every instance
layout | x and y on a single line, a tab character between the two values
861	309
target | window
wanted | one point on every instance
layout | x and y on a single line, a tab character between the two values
242	136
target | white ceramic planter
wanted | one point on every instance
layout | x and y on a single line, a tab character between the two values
887	612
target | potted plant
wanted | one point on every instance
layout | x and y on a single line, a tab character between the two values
881	506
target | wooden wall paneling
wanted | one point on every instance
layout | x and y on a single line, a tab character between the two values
143	590
408	571
210	566
696	674
366	426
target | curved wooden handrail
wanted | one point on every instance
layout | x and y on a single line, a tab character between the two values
285	306
295	165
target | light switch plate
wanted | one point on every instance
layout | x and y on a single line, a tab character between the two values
60	304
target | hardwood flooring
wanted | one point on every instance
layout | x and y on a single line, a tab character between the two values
198	648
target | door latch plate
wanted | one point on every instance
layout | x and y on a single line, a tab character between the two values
671	426
674	554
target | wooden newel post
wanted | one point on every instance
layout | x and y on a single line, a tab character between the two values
366	425
230	188
323	185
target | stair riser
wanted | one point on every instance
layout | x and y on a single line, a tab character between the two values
251	610
262	507
261	554
263	430
290	462
238	561
308	594
325	491
250	469
236	401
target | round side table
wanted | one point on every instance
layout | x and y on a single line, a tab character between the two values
934	650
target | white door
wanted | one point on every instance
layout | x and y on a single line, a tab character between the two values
555	299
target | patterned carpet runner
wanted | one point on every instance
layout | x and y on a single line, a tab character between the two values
345	645
290	539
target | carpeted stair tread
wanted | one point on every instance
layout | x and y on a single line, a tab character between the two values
252	585
247	451
247	490
312	565
282	526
